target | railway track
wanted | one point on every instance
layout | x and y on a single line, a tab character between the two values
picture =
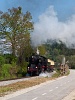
10	81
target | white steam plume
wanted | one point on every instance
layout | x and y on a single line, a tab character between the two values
49	27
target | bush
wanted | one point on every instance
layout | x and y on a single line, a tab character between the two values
5	73
22	70
2	60
9	58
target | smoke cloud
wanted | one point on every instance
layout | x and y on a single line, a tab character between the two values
50	27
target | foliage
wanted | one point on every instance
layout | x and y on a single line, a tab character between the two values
42	49
9	71
72	61
25	49
57	50
2	60
9	58
5	74
22	70
17	28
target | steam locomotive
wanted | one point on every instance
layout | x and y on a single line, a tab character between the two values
38	64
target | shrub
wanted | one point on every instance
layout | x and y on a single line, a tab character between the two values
5	73
9	58
2	60
22	70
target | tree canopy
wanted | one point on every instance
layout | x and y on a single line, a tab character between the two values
16	26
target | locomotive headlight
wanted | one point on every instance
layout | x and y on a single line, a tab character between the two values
28	67
36	66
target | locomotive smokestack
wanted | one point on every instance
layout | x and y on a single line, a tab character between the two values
37	52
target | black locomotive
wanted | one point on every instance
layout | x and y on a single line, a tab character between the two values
37	64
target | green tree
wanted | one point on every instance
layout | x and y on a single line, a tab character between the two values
5	74
2	60
42	49
72	61
17	27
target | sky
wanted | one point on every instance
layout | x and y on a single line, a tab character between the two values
53	19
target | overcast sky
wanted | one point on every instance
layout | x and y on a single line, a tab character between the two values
53	19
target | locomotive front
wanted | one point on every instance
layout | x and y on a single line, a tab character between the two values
37	64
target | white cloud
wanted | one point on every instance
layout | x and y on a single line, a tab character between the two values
49	27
